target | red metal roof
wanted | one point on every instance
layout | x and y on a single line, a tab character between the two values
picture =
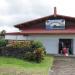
49	32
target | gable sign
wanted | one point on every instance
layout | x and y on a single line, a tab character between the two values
55	24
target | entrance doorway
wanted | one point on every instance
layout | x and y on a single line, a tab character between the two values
68	43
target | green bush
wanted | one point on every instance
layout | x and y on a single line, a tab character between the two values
3	43
36	53
29	56
39	54
32	51
37	44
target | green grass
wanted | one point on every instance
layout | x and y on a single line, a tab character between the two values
42	67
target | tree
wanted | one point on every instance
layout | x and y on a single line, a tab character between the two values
2	34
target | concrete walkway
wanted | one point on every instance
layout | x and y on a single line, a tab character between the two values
63	66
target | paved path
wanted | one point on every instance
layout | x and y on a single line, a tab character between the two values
63	66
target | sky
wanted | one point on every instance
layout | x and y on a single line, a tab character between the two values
14	12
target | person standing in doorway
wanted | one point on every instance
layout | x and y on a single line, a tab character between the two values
65	51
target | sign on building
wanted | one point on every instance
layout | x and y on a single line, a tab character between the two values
55	24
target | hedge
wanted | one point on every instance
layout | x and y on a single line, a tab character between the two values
34	51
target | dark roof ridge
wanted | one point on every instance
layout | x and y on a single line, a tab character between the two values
46	17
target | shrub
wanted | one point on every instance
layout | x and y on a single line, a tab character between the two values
22	44
37	44
29	56
3	43
32	50
39	54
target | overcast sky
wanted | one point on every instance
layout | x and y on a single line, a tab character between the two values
13	12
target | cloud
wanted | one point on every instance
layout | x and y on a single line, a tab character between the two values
8	28
4	7
19	6
65	7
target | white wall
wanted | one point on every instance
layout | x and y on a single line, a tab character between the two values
74	46
49	41
15	37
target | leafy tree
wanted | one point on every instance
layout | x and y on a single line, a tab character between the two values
2	34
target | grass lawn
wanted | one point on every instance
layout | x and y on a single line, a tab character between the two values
13	66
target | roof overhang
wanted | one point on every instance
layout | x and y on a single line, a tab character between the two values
39	20
43	32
